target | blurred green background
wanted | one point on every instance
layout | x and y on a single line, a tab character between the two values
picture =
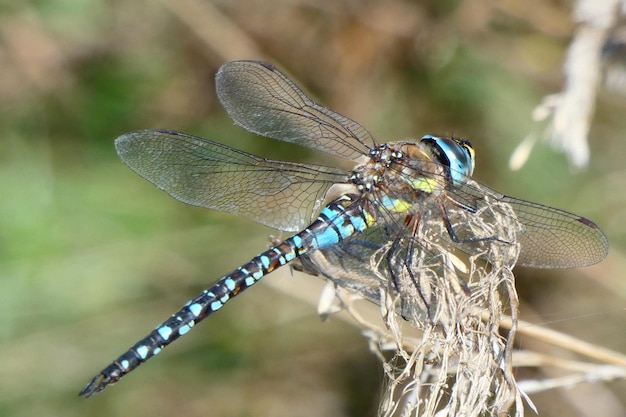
92	257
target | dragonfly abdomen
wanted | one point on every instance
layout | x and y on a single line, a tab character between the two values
337	221
194	311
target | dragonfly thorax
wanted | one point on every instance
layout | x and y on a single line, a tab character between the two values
397	175
370	174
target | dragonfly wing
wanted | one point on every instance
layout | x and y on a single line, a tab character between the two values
554	238
203	173
264	101
549	237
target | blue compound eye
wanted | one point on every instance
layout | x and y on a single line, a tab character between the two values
454	153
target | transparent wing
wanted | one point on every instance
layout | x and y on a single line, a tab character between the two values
264	101
550	237
203	173
554	238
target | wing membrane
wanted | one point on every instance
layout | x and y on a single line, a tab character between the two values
264	101
551	238
555	238
203	173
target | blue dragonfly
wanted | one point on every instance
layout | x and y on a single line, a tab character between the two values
340	219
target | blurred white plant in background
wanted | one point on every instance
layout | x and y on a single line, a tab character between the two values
595	46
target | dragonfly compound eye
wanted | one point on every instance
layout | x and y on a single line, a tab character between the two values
456	154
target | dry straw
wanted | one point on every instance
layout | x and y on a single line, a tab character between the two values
459	364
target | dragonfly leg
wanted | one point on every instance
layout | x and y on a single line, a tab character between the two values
406	262
454	237
409	259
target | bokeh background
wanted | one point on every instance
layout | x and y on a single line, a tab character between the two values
92	257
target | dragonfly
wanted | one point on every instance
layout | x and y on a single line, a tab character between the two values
344	216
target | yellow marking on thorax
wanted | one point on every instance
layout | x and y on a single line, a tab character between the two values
399	206
427	185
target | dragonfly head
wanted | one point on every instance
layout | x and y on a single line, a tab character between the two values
456	154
